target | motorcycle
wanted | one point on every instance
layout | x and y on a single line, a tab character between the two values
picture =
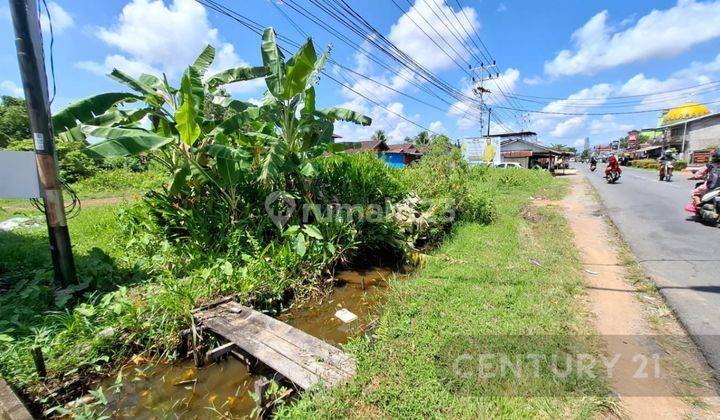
666	171
593	167
612	176
708	211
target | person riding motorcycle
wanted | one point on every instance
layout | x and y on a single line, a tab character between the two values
666	158
710	173
593	163
613	165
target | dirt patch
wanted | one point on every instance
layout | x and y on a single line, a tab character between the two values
627	322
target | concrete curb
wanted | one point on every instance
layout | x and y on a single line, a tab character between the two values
11	408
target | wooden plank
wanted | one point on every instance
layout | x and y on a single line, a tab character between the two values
284	331
327	352
323	353
302	358
295	372
219	352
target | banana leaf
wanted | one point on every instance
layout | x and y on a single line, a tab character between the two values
273	60
343	114
88	108
238	74
122	141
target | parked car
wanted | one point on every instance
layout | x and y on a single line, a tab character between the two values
506	165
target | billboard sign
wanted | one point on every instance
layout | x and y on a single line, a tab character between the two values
482	151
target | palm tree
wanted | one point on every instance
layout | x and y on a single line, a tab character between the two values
379	135
422	139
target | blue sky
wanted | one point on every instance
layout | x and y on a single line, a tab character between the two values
588	53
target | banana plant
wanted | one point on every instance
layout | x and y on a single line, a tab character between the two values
274	142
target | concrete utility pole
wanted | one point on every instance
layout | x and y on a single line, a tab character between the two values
484	74
488	128
28	42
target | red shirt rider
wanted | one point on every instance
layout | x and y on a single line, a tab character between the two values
612	165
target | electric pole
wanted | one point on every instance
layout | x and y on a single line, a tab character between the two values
488	129
31	59
484	74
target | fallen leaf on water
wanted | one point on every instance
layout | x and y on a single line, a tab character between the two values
189	373
138	359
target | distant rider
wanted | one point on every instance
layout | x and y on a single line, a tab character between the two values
613	165
593	161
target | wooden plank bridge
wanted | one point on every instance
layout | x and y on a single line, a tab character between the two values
301	358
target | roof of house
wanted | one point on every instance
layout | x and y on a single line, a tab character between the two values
534	145
683	122
405	148
516	134
382	146
368	146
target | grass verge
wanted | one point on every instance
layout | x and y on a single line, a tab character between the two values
516	277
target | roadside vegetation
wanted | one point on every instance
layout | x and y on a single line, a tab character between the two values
487	284
224	197
215	171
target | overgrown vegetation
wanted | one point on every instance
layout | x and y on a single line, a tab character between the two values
504	284
217	225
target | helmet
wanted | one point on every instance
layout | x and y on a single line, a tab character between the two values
715	157
668	152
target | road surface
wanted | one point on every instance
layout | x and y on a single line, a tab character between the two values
681	256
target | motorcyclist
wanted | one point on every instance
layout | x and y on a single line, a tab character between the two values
612	165
710	173
593	161
666	158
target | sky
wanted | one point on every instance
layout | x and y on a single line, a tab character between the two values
605	62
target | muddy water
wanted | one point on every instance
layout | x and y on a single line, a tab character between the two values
222	390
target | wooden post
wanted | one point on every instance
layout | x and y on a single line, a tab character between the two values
28	42
39	362
182	349
260	388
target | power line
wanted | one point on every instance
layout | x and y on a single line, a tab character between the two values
254	27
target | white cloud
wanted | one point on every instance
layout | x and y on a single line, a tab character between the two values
406	34
695	74
532	81
607	124
660	33
11	88
437	126
582	100
389	120
155	37
61	19
132	67
569	126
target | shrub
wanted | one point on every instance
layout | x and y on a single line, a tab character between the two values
645	164
680	165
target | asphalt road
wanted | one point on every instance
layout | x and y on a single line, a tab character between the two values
680	255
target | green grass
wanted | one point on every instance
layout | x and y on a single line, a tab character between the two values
109	183
478	283
493	291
